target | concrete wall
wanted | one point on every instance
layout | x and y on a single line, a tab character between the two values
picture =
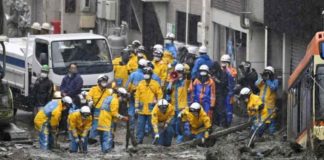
180	5
255	52
161	12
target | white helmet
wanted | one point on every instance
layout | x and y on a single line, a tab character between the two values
162	102
102	77
36	26
67	100
245	91
158	46
85	109
270	68
179	67
46	26
192	50
142	62
136	42
204	68
170	36
122	90
202	49
195	106
226	58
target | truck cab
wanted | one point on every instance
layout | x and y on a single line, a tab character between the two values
89	51
25	57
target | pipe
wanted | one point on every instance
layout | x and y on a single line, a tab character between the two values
62	16
265	46
187	21
203	15
26	91
284	84
242	16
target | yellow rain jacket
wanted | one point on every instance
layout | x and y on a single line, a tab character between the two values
167	57
53	111
179	94
95	94
132	64
120	72
270	96
146	96
158	117
79	126
108	112
161	70
197	124
253	108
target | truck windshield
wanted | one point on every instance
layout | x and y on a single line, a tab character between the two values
91	56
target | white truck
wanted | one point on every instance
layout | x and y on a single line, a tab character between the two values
26	55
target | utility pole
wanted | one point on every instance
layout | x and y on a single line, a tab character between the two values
62	16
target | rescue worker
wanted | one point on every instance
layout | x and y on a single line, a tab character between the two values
136	44
95	98
46	28
79	125
195	122
36	28
140	52
170	50
109	112
72	83
162	116
132	64
120	68
177	91
268	86
43	91
231	74
256	110
247	77
220	77
131	86
202	59
203	90
147	93
160	67
47	121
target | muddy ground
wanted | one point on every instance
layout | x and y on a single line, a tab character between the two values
230	147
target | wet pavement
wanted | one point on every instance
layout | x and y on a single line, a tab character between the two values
229	147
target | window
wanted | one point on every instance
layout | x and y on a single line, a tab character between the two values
91	56
42	53
181	27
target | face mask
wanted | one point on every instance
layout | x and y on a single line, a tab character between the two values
83	101
223	65
156	58
167	41
147	76
44	75
140	55
203	73
103	84
246	100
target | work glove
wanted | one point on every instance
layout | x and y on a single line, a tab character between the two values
76	140
82	139
206	135
156	137
136	111
165	126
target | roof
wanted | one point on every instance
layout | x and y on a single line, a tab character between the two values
69	36
312	49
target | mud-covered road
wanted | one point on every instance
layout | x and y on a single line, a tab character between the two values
229	147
